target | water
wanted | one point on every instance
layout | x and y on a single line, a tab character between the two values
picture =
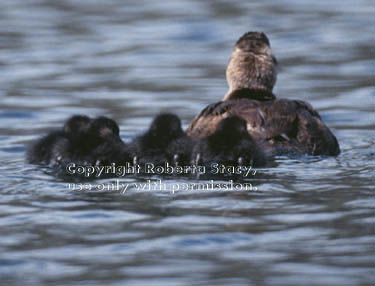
310	221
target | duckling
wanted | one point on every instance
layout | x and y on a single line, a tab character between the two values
164	142
50	148
229	145
83	141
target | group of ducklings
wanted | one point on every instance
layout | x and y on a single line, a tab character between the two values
97	141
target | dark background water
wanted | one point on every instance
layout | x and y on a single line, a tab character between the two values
311	220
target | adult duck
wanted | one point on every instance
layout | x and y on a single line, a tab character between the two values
279	126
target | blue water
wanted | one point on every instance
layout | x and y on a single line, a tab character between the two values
310	221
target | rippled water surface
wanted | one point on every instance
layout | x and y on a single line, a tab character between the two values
311	221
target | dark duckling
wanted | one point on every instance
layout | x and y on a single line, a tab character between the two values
230	145
164	142
48	149
82	141
105	143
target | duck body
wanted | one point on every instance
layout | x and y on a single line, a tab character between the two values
47	149
279	126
